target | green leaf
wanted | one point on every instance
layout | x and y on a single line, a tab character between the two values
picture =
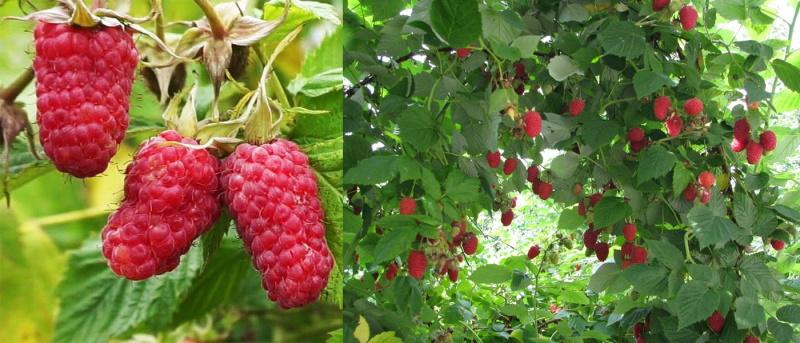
610	210
430	184
573	13
573	297
561	67
782	331
709	228
654	162
623	39
23	166
569	220
666	253
97	305
603	277
695	303
457	22
417	127
371	171
787	213
526	45
749	313
393	243
461	187
300	13
789	313
787	73
681	177
384	9
646	82
491	274
758	273
564	166
316	85
744	210
647	279
388	336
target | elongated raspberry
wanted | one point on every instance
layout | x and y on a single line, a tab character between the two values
627	250
601	251
507	217
533	174
576	107
391	271
171	197
674	125
590	238
751	339
544	189
636	134
533	123
661	107
408	206
509	165
690	192
271	193
452	273
754	152
693	107
639	255
417	263
629	231
737	145
688	16
638	329
533	252
638	146
741	130
493	159
83	86
659	5
469	243
716	322
768	140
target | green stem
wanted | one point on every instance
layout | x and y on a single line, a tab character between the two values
686	246
788	45
217	28
10	93
536	279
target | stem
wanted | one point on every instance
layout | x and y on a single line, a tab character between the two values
536	278
10	93
159	21
686	247
217	29
788	45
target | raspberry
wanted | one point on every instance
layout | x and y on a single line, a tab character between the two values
594	199
271	193
509	165
83	86
640	339
638	146
661	107
544	189
391	271
639	255
417	263
533	252
737	145
636	134
493	159
688	16
754	152
674	125
715	322
463	52
452	273
469	243
705	197
627	250
533	123
659	5
751	339
706	179
581	209
741	130
507	217
601	251
777	244
638	330
533	174
590	238
171	198
768	140
408	206
576	107
629	231
693	107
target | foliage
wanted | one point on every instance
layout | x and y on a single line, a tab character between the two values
423	112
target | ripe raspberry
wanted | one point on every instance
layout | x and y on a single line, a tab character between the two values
595	198
171	198
629	231
674	125
590	238
519	70
690	193
601	251
638	146
768	140
533	252
705	197
638	330
659	5
581	209
507	217
83	86
639	255
706	179
751	339
715	322
737	145
493	158
417	263
532	122
576	107
688	16
777	244
754	152
408	206
636	134
469	243
533	174
271	193
641	339
741	130
693	107
452	273
661	107
463	52
509	165
391	271
627	250
544	189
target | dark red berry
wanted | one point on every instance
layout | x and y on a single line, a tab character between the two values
469	243
768	140
507	217
754	152
636	134
533	252
715	322
661	107
417	263
493	159
544	189
601	251
659	5
533	174
777	244
391	271
509	165
688	16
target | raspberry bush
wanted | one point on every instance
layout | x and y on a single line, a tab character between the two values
638	200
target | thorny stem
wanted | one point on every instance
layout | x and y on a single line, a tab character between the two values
217	28
10	93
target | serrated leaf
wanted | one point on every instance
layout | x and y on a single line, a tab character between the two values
623	39
461	187
758	273
603	277
744	210
610	210
491	274
709	228
563	166
681	177
646	82
561	67
393	243
666	253
789	314
457	22
647	279
417	127
749	313
695	303
654	162
371	171
569	219
787	73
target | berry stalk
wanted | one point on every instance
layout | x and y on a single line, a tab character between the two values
10	93
217	28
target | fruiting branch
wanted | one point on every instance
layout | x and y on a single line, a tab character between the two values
217	28
10	93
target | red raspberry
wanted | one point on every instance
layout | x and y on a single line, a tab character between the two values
661	107
493	159
754	152
417	263
533	252
741	130
636	134
452	273
391	271
509	165
751	339
638	146
576	107
690	193
595	198
641	339
590	238
532	122
737	145
469	243
706	179
629	231
693	107
463	52
271	193
674	125
544	189
638	330
715	322
519	70
768	140
533	174
777	244
659	5
705	197
627	250
507	217
688	16
639	255
408	206
581	209
171	198
601	251
83	86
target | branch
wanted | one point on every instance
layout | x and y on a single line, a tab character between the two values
10	93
